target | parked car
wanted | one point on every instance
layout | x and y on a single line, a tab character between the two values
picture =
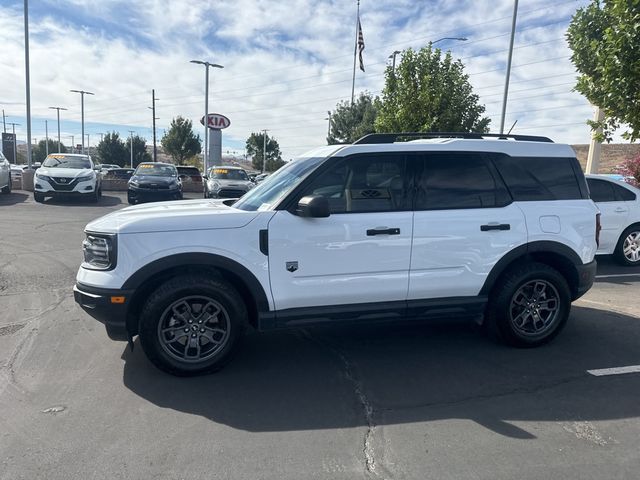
118	174
5	174
619	205
66	174
154	181
260	177
189	174
104	167
497	230
227	182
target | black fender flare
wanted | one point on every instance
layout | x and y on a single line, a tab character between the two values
542	246
200	259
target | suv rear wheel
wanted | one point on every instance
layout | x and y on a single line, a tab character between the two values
192	325
528	306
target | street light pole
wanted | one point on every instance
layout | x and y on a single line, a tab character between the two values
82	94
506	80
58	112
329	129
153	108
131	145
46	137
206	108
27	79
264	150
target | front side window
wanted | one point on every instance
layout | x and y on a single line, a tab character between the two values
66	161
364	183
458	180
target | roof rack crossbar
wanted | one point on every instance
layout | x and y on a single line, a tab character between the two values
374	138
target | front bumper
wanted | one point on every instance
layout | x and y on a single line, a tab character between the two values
586	277
107	306
47	189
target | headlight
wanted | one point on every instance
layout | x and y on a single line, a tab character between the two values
214	186
133	183
84	178
43	177
99	251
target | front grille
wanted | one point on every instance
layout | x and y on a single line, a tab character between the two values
230	193
60	185
153	186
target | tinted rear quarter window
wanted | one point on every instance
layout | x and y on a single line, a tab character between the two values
542	178
623	193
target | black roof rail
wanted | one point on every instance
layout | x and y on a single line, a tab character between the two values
392	137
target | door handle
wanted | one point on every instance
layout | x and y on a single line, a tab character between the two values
495	226
620	210
383	231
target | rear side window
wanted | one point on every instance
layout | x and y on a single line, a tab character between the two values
458	180
544	178
601	190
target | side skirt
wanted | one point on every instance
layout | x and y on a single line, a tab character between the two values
379	312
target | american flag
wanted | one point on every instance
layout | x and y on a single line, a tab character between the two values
360	45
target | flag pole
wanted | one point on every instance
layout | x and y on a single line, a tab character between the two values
355	52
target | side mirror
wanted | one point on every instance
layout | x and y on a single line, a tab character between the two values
313	206
205	177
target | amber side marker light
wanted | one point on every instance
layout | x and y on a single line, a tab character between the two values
118	299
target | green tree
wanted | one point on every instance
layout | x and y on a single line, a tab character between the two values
180	142
255	151
39	152
140	153
351	122
429	92
605	39
112	150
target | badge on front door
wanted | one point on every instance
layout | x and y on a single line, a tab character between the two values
292	266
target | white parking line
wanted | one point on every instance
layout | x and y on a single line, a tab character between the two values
615	371
619	275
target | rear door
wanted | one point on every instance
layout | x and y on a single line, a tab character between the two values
614	212
464	222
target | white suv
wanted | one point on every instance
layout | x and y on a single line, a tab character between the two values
63	174
498	230
619	204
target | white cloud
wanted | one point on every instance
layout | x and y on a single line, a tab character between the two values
286	63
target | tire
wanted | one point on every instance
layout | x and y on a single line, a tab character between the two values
174	306
514	315
38	197
131	200
7	189
629	240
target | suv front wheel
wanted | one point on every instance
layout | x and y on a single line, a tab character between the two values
528	306
192	324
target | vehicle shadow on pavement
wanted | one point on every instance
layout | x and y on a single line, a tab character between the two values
328	377
13	198
105	201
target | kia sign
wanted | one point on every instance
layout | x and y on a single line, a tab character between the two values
216	121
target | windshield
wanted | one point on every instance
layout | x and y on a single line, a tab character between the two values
228	174
278	184
156	170
66	161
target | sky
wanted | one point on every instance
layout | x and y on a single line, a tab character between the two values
286	63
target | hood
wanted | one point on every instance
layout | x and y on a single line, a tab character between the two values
181	215
64	172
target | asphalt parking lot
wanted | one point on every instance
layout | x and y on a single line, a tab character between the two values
411	402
